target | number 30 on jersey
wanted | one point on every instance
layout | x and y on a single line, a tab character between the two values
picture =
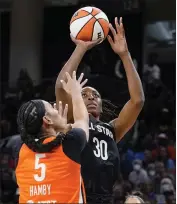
101	148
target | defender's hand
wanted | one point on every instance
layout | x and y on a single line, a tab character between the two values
62	112
73	85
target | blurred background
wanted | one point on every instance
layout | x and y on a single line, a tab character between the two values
35	44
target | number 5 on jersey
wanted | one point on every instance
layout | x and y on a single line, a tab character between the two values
41	166
101	148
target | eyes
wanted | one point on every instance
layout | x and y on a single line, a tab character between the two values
84	95
95	95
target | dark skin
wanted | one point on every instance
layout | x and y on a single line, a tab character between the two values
133	107
92	100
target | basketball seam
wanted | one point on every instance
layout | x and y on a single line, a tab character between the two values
93	30
96	14
92	14
101	27
103	19
91	11
81	17
82	28
98	18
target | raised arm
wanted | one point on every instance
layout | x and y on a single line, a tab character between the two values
133	107
71	65
73	88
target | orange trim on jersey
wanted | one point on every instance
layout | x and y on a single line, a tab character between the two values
49	177
83	191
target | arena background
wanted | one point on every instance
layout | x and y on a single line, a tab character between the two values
35	38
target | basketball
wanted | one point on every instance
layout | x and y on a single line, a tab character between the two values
89	23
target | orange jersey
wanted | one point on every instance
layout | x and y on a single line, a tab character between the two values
53	177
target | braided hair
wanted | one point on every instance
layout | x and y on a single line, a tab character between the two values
30	121
110	111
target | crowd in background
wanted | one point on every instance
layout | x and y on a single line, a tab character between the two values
148	153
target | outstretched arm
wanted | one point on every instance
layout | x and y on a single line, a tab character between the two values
133	107
71	65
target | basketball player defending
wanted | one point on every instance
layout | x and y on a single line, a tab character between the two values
100	157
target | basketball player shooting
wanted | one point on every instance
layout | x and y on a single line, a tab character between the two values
100	157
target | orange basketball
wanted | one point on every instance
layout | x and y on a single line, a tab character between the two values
89	23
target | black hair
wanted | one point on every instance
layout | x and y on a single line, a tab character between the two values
110	111
30	121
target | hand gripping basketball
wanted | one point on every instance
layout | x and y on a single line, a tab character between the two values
86	45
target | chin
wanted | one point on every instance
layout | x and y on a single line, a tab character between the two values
94	113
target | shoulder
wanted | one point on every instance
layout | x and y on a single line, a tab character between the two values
75	133
74	143
111	126
111	123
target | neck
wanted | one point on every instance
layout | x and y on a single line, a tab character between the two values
49	132
97	117
66	129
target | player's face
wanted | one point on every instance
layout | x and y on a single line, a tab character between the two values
92	100
52	117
